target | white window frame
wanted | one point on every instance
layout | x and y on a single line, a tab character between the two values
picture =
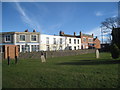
75	41
78	41
31	38
61	40
54	41
47	40
10	38
70	40
22	40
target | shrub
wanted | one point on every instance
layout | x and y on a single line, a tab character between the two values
115	52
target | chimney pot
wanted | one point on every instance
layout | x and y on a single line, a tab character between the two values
74	33
26	30
92	34
34	30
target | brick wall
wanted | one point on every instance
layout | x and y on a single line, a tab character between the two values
50	54
11	51
97	43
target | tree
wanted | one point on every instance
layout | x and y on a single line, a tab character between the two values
115	52
108	25
111	22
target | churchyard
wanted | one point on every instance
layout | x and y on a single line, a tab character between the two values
80	71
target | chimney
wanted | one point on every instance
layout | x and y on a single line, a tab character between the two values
26	30
61	33
80	33
34	30
74	33
92	34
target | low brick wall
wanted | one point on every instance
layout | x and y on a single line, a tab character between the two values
50	54
1	56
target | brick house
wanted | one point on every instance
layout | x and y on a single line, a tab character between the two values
86	40
97	43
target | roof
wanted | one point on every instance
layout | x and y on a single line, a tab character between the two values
19	32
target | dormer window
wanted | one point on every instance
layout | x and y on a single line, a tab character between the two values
7	38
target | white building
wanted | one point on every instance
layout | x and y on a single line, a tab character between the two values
34	41
52	43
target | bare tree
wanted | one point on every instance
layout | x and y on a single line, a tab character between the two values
108	25
111	22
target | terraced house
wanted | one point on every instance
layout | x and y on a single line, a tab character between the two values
26	41
34	41
86	41
54	42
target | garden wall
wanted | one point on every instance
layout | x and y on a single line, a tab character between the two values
50	54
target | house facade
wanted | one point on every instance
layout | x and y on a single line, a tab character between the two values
53	43
97	43
26	41
87	41
34	41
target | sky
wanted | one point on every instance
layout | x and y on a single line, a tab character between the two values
51	17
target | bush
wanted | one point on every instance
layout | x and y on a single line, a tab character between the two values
115	52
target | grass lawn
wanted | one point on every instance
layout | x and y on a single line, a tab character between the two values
82	71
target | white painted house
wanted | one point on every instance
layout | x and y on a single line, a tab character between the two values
53	42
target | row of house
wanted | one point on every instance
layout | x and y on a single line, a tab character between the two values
34	41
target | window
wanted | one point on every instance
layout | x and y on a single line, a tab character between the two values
35	47
23	48
54	40
90	40
70	41
74	41
74	47
78	41
22	37
84	39
47	40
47	47
60	40
8	38
78	47
70	48
33	38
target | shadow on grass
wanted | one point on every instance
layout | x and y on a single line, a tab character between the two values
91	62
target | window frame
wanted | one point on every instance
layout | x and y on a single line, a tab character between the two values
6	38
33	37
90	40
20	38
74	41
47	40
84	38
61	40
54	41
69	40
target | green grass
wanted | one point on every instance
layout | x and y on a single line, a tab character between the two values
82	71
